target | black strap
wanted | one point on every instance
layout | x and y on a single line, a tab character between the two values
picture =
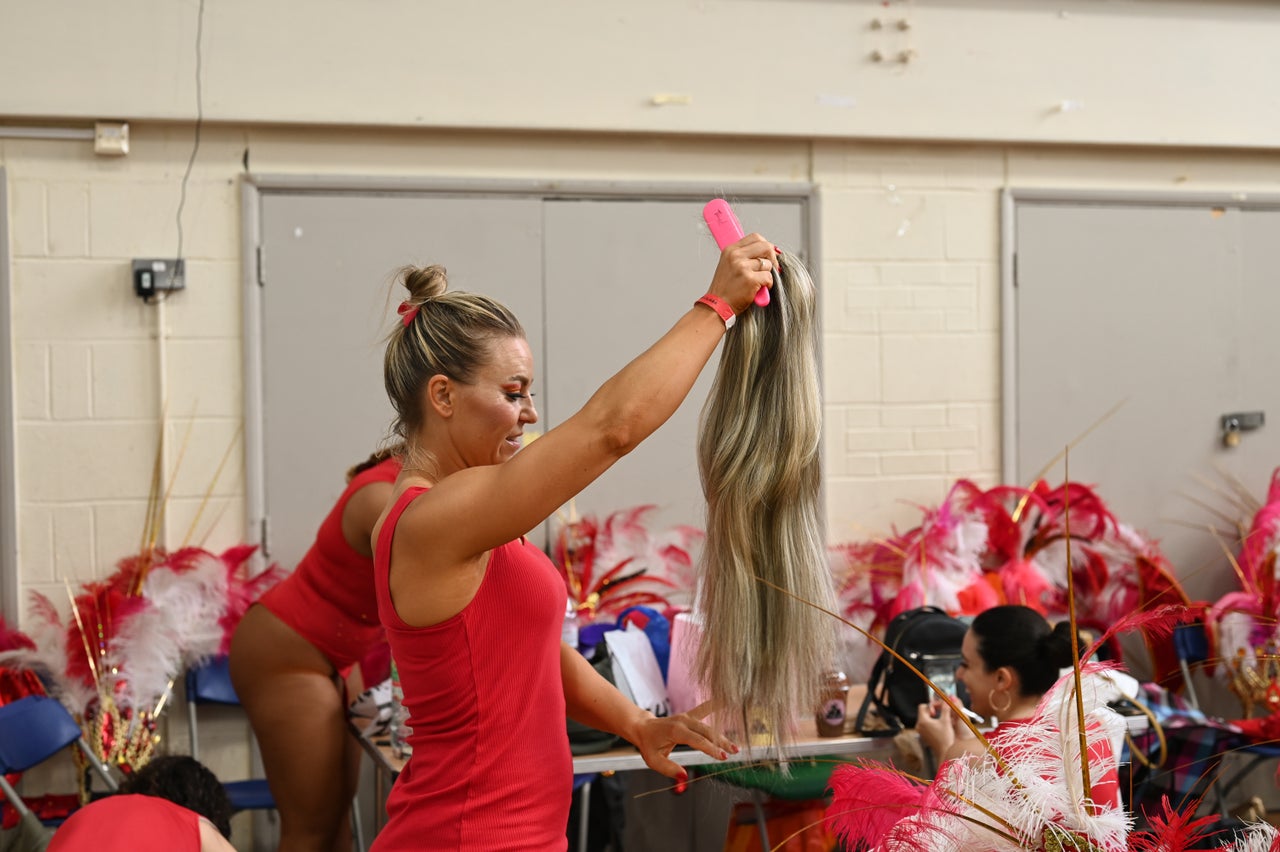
874	686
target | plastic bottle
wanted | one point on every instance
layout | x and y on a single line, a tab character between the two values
399	730
569	632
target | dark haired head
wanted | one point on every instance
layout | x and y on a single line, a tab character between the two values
187	782
1020	638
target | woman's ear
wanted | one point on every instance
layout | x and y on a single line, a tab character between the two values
1007	678
440	394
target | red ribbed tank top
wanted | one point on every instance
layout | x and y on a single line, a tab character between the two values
329	598
491	769
129	823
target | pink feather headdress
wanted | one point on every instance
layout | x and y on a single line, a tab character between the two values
979	548
618	563
112	660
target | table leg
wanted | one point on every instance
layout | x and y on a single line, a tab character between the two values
584	815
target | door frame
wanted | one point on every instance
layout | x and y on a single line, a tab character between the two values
254	186
8	428
1010	199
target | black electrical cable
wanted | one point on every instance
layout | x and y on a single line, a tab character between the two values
195	148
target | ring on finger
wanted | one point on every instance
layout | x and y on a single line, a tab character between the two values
764	264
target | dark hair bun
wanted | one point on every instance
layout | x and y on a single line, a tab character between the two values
1055	646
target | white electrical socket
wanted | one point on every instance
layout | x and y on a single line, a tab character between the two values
111	138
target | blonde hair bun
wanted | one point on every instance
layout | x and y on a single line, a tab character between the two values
424	283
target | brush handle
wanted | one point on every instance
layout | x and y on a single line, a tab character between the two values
726	230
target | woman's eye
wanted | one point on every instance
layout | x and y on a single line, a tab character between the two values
517	396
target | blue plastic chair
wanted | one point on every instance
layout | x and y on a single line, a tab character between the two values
211	684
32	730
1191	642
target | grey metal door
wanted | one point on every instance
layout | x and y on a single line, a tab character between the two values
619	274
594	282
1166	308
327	304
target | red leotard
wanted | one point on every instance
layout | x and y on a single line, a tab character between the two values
129	823
329	599
491	768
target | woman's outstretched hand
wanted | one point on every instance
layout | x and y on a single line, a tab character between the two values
655	738
745	267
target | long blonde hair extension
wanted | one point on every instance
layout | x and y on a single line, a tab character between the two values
763	653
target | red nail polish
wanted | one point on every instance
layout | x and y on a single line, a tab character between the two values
777	250
682	782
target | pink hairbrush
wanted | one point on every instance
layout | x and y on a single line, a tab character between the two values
726	230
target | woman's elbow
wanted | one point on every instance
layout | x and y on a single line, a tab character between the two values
619	437
620	430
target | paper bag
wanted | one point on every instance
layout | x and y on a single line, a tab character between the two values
635	668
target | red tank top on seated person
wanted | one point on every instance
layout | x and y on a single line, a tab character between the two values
329	598
491	769
129	823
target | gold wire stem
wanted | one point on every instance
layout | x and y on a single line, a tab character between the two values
1232	497
1245	585
1022	504
173	478
1075	636
208	492
84	638
1238	486
157	477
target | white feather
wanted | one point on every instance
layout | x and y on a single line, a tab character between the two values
1258	837
1035	787
178	627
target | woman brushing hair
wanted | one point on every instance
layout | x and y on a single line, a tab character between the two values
473	610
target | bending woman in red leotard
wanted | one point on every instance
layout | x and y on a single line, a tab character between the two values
473	611
291	653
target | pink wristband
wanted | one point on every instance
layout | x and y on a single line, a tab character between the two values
721	307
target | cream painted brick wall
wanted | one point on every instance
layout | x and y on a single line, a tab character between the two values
119	372
68	225
28	229
914	415
899	464
883	224
71	370
31	371
85	460
205	377
851	369
76	301
211	304
911	247
138	220
35	533
73	544
921	367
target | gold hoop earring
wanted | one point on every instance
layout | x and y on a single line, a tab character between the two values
991	699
